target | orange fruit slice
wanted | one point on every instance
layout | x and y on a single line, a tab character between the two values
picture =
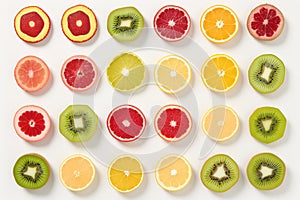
31	73
173	173
125	173
219	24
220	123
79	23
220	73
32	24
77	172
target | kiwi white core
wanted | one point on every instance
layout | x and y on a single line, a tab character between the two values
78	123
31	171
126	23
265	171
266	74
267	124
220	172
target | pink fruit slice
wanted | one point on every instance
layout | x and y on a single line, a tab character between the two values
173	123
265	22
172	23
32	123
126	123
79	73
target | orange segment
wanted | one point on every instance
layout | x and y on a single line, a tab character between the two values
220	73
220	123
77	172
219	24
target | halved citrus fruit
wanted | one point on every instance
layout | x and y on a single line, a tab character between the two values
126	123
172	74
32	24
173	173
79	23
219	24
173	123
126	72
31	73
220	123
172	23
32	123
125	173
220	73
79	73
77	172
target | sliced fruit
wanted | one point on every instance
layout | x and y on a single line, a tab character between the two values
79	73
78	123
267	124
173	123
266	73
125	24
219	24
220	73
172	74
79	23
172	23
31	171
220	123
220	173
32	123
173	173
32	24
266	171
126	72
125	173
77	172
126	123
31	73
265	22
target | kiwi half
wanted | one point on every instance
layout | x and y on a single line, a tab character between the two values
267	124
78	123
31	171
219	173
266	171
266	73
125	24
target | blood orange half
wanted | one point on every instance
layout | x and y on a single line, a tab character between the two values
79	73
265	22
126	123
32	123
172	23
31	73
173	123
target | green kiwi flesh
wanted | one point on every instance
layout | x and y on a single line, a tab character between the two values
266	73
125	24
267	124
31	171
220	173
78	123
266	171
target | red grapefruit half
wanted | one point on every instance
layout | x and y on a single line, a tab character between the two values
32	123
31	73
173	123
172	23
265	22
79	73
126	123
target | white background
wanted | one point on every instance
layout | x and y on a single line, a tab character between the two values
57	97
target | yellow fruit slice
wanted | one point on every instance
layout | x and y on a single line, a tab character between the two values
173	173
125	173
219	24
220	123
172	74
220	73
77	172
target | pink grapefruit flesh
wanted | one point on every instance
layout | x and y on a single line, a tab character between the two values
32	123
126	123
265	22
172	23
173	123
